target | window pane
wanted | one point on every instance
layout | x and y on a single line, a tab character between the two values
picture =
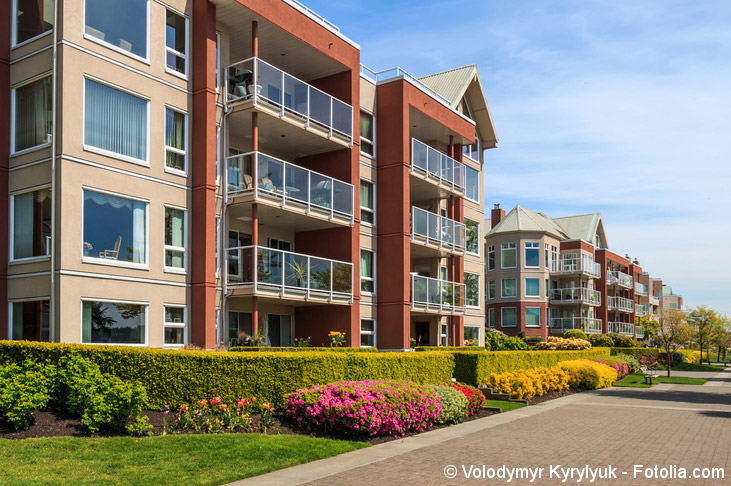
532	256
472	289
175	138
509	317
122	24
29	321
508	255
174	335
33	118
366	271
472	334
367	202
114	228
532	287
367	340
32	224
508	287
491	317
366	133
34	18
174	315
115	121
472	184
491	289
472	233
367	325
113	323
174	229
175	39
533	316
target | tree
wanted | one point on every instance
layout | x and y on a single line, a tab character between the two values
707	324
674	331
649	326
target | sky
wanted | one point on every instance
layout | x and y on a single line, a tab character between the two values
619	107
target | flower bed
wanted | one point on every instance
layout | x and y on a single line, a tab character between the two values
617	364
473	395
216	416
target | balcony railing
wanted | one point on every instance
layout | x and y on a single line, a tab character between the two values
436	166
615	277
654	300
261	82
641	310
624	328
576	296
576	265
397	72
620	303
641	289
587	324
639	332
431	294
289	274
289	185
432	229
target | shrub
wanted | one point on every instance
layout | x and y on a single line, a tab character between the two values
575	333
449	348
22	390
526	384
374	407
676	358
455	406
474	396
633	362
620	366
521	335
601	340
514	343
495	340
588	375
294	349
561	344
533	340
216	416
622	341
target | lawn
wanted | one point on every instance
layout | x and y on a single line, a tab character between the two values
697	367
172	459
503	405
637	380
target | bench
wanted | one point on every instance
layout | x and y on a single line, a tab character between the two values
649	374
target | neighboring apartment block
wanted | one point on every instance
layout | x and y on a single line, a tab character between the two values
186	171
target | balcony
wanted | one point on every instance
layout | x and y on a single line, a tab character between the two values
256	84
654	300
290	196
624	328
620	304
435	235
256	270
435	296
576	296
571	266
641	289
620	279
639	332
435	174
641	310
587	324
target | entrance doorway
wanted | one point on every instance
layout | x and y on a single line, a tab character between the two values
422	333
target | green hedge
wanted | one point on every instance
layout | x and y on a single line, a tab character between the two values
449	348
243	349
637	352
473	368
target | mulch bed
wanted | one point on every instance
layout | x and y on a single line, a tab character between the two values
551	396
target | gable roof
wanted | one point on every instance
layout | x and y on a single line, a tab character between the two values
583	227
525	220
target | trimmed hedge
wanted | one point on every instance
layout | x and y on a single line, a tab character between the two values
293	349
449	348
474	368
637	352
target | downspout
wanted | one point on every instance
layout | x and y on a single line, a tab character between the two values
222	226
54	102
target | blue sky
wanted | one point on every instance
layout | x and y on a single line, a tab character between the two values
619	107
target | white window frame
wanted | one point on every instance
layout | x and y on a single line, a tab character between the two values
477	201
369	279
478	291
491	317
526	317
182	249
491	251
506	246
546	254
502	317
14	28
525	284
218	244
20	301
372	142
534	245
443	334
90	148
11	228
502	288
368	210
186	144
478	237
117	263
494	289
25	82
369	333
183	75
218	155
111	46
113	301
176	325
218	61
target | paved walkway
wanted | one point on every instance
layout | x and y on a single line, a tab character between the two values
668	426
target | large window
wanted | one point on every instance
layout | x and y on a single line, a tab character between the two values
367	202
491	257
115	228
32	18
176	129
113	323
367	133
175	325
472	233
472	184
176	43
532	317
508	317
367	273
367	333
532	254
491	317
508	255
279	330
532	287
239	327
29	320
123	26
175	232
472	289
491	289
509	287
32	117
115	121
471	336
31	224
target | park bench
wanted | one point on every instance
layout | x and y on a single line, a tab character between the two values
649	374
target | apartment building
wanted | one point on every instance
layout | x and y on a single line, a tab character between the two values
186	172
669	299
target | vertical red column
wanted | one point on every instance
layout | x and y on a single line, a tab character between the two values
203	243
600	257
254	207
4	161
456	212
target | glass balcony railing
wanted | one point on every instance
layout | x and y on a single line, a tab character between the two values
624	328
397	72
615	277
576	295
290	274
582	265
261	82
432	229
641	310
641	289
432	294
620	304
289	184
639	332
436	166
587	324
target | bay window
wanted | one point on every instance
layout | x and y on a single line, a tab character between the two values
509	287
508	317
532	254
532	317
532	287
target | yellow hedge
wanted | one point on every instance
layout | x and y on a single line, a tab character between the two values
554	343
588	375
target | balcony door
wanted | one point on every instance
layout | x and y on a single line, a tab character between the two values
280	330
237	267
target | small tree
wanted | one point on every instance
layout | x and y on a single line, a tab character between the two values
674	331
649	326
707	324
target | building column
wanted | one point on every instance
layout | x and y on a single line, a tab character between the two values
4	163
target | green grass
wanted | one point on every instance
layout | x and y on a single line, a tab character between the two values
503	405
163	460
637	380
697	367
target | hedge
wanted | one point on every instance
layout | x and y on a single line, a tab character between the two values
449	348
242	349
173	376
637	352
474	368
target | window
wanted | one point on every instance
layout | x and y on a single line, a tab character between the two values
491	257
554	258
367	202
218	60
115	229
218	245
471	336
279	330
472	289
29	320
367	133
472	184
473	150
176	42
508	317
443	335
32	18
509	289
32	118
532	317
367	333
367	274
123	26
532	287
278	244
491	317
532	254
31	224
491	289
672	305
176	129
239	327
472	234
218	155
105	322
175	232
546	255
115	122
174	325
508	255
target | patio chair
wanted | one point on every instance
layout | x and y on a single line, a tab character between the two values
112	254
